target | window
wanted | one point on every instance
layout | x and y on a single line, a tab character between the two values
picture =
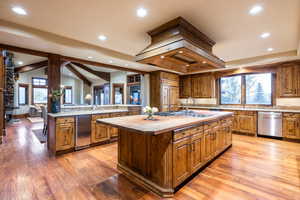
68	95
231	90
259	89
101	94
39	91
118	93
250	89
23	94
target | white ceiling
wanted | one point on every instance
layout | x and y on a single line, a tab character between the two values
227	22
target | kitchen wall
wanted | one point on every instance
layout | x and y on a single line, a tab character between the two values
77	88
118	77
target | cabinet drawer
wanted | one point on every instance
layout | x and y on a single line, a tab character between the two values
294	115
94	117
182	134
65	120
118	114
196	130
214	124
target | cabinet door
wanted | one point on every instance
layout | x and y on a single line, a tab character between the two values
247	124
228	136
185	86
208	146
174	96
290	127
64	136
220	139
197	147
101	133
181	160
288	80
114	132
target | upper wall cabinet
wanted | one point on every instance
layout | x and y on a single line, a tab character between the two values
185	87
289	80
197	86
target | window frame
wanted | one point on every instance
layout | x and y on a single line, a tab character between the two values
64	97
38	86
26	86
243	89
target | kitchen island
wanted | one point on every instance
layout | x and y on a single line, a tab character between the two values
163	153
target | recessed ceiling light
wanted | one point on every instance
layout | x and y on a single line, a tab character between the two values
90	57
255	10
126	65
102	37
180	51
270	49
187	65
265	35
19	10
162	57
141	12
110	61
20	63
204	62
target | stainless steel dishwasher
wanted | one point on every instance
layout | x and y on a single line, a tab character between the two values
83	131
270	124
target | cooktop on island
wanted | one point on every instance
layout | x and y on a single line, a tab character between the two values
190	113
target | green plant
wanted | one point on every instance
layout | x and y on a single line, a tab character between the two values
56	94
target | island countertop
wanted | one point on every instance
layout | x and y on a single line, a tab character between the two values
161	124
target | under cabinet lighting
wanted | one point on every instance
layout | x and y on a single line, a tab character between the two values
255	10
19	10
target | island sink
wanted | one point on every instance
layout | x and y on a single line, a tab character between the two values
161	155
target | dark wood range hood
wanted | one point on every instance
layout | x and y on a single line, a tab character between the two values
179	46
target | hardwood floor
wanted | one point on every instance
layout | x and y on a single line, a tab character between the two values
254	168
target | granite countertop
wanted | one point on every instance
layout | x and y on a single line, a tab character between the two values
162	124
241	108
85	112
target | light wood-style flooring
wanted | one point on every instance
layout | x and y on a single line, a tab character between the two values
254	168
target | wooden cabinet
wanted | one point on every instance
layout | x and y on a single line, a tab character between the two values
65	134
100	133
181	160
244	122
289	80
291	125
164	91
203	85
197	151
185	84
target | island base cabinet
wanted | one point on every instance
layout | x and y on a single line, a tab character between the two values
182	160
162	162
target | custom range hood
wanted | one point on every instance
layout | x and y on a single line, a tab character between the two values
179	46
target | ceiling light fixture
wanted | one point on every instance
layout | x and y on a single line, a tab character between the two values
141	12
187	65
90	57
162	57
110	61
270	49
255	10
204	62
20	63
19	10
265	35
180	51
102	37
126	65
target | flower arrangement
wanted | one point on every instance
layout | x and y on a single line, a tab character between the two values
150	111
55	98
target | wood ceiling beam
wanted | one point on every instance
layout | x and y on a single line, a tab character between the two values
78	74
97	64
24	50
66	58
102	75
30	67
